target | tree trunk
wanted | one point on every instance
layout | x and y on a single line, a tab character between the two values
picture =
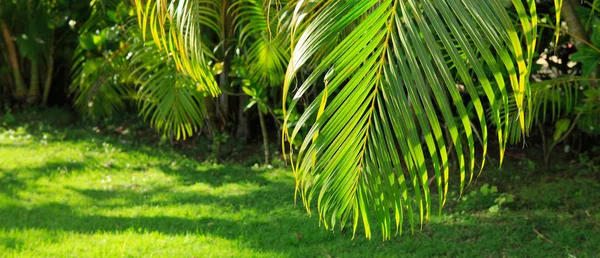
3	90
223	99
211	117
577	29
265	134
20	91
49	75
33	96
242	126
574	24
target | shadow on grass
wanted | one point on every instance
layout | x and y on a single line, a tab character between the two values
263	199
296	235
163	159
14	180
216	176
277	227
288	231
143	139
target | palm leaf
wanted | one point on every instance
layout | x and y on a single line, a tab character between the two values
390	102
166	98
550	100
98	89
388	91
177	28
267	53
97	86
136	70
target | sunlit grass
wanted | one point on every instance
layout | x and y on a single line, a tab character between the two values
68	191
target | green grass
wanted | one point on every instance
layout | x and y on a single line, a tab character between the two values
67	190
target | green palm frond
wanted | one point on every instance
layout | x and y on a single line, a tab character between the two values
97	86
168	99
551	100
390	109
138	70
388	90
268	54
250	18
177	28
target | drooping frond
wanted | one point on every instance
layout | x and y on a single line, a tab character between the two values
551	100
168	99
97	88
106	78
268	52
177	28
391	106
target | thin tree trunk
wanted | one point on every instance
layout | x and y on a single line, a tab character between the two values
265	134
2	94
211	120
20	91
49	75
577	29
33	96
242	126
574	24
48	82
223	99
6	79
278	125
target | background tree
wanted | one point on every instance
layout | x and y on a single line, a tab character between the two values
109	63
564	91
31	30
239	49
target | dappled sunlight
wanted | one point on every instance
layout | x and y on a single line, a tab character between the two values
94	195
130	242
106	191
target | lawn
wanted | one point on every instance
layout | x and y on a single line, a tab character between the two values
68	189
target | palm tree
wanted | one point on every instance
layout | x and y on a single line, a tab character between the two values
391	108
113	66
107	76
242	41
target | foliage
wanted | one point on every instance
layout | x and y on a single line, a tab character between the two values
564	94
486	197
32	32
110	50
177	29
116	66
364	155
